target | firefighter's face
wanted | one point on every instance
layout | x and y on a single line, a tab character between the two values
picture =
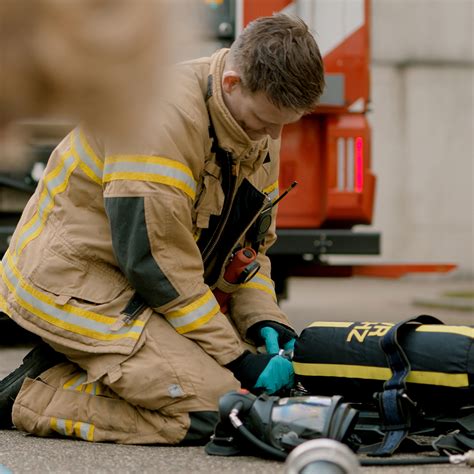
257	116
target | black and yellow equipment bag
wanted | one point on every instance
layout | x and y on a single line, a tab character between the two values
417	366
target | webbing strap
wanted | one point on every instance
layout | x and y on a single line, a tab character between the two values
395	406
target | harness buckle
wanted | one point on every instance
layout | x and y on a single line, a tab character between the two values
396	409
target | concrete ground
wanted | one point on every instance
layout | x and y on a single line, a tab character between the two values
345	299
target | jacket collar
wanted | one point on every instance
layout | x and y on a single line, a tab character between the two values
248	153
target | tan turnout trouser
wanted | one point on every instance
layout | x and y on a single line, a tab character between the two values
142	398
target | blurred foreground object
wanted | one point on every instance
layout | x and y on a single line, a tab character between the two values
94	60
322	456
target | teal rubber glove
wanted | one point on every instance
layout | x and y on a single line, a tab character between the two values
271	337
277	374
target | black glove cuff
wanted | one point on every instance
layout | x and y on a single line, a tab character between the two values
248	367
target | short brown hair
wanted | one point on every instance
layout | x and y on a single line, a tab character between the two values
279	56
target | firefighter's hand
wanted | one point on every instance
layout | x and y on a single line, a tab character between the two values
262	371
273	335
277	374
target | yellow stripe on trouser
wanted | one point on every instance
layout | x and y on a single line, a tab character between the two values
3	302
262	283
77	429
379	373
77	383
66	317
194	315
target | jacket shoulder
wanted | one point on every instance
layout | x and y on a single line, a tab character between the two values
190	81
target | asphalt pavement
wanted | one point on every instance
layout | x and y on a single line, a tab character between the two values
341	299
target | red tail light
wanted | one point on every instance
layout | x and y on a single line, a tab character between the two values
359	164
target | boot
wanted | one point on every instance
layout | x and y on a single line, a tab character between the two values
39	359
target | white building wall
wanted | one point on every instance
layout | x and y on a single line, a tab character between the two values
423	125
423	120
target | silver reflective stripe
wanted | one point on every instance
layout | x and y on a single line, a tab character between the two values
341	164
84	156
61	427
77	383
129	169
89	324
350	165
52	187
262	283
77	429
85	431
199	313
273	195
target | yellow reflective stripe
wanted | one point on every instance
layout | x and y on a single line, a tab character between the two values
330	324
460	330
53	423
68	317
262	283
272	191
153	178
271	188
380	373
90	433
156	169
77	383
67	307
194	315
71	428
97	388
199	322
433	328
87	160
90	151
192	306
150	159
264	278
259	286
72	381
3	304
77	429
46	201
44	193
88	171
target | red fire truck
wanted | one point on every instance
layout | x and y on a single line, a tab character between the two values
327	152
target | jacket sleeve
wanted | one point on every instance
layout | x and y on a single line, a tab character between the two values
256	300
149	199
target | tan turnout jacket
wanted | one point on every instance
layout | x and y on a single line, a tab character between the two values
117	234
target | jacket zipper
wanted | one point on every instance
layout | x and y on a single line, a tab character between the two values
228	200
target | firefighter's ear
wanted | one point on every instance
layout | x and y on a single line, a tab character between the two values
230	80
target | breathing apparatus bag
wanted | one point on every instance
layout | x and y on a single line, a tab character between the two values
419	367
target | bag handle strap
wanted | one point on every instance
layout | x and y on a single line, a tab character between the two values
395	406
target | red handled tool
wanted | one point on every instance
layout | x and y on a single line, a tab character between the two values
240	269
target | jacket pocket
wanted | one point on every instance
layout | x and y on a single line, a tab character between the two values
211	197
64	276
